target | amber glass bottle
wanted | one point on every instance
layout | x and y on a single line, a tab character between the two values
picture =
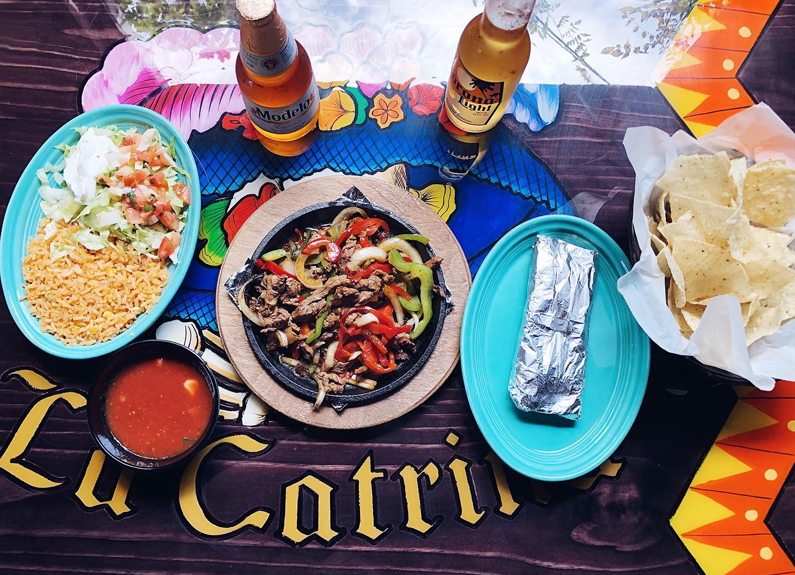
276	80
492	55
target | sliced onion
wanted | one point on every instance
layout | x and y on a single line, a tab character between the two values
290	361
252	316
321	392
354	355
300	273
348	212
289	266
332	349
363	320
397	243
369	253
316	357
415	319
290	335
282	337
364	383
393	299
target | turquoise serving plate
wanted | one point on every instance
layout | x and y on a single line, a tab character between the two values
23	216
546	447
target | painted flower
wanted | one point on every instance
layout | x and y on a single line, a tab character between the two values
441	197
234	121
219	224
425	99
386	110
337	110
245	207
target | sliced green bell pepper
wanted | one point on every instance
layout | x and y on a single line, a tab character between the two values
425	275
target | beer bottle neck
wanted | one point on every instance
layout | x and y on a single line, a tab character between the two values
267	48
506	20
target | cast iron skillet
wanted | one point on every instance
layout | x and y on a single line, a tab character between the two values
324	213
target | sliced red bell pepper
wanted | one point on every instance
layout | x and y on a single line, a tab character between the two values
275	269
364	243
344	236
373	361
377	343
388	332
399	290
368	226
332	250
386	268
259	264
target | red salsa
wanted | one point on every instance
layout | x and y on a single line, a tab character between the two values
158	407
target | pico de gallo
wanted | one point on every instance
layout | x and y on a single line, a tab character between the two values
343	303
120	183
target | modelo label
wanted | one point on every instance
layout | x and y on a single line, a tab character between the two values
469	99
272	64
287	119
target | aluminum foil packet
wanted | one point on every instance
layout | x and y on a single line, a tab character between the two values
549	372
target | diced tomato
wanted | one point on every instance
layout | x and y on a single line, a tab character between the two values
166	248
127	141
143	196
183	192
133	216
169	219
305	328
141	175
159	179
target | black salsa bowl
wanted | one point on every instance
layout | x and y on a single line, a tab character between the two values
317	215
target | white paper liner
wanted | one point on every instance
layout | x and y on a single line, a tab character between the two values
759	134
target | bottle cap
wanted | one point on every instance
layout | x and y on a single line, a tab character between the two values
262	30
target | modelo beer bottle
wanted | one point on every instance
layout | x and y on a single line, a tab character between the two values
276	80
492	55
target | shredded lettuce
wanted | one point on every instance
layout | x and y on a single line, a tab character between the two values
50	229
104	213
59	250
149	138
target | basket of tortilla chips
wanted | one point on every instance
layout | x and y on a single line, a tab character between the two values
714	220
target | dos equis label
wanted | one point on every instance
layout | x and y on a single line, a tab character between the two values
286	119
469	99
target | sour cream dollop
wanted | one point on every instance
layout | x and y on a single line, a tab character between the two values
93	155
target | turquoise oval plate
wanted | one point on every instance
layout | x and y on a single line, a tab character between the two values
23	215
547	447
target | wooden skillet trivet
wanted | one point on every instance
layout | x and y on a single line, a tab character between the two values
441	362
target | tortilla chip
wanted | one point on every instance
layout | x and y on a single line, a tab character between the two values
684	227
677	277
768	277
751	243
738	169
764	322
661	213
769	194
749	308
662	262
716	223
657	240
684	328
692	313
710	271
703	177
784	298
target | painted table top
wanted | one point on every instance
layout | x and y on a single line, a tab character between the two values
700	485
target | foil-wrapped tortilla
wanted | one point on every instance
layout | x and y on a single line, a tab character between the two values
549	372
